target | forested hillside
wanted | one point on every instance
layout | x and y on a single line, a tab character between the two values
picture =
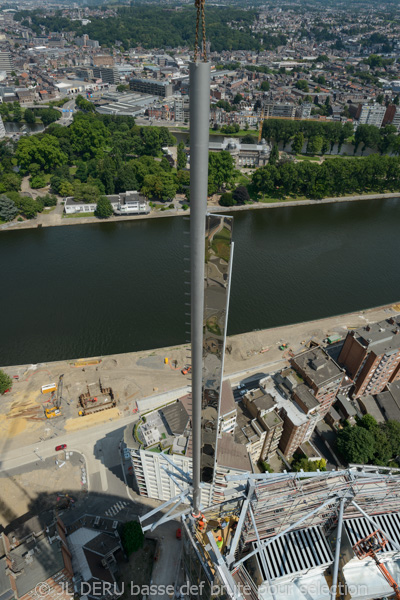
157	27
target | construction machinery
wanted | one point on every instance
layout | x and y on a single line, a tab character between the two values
370	546
56	399
90	402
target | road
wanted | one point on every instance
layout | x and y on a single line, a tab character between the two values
67	117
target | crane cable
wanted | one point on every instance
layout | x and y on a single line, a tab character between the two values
200	16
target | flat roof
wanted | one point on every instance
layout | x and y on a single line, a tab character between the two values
382	337
318	366
232	455
228	403
305	395
176	417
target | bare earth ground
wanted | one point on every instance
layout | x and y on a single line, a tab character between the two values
142	374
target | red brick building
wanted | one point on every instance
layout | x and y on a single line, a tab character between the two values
371	356
322	374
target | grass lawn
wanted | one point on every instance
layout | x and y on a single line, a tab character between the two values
78	215
48	209
240	133
305	157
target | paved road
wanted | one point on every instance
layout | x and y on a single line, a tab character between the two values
67	117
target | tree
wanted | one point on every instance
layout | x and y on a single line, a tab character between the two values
241	195
248	139
104	210
274	156
10	182
265	86
8	210
220	170
84	105
227	199
49	200
5	382
314	145
132	537
122	88
181	156
302	84
28	206
17	112
29	116
237	99
392	431
44	151
301	462
65	189
356	444
38	181
298	142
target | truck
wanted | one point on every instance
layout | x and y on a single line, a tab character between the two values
332	339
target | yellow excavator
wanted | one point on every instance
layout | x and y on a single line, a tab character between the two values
55	410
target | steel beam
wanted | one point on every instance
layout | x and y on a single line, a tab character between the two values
231	556
285	531
199	77
337	550
262	555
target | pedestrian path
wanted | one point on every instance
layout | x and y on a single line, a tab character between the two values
115	509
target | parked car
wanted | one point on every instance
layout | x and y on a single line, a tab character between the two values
61	447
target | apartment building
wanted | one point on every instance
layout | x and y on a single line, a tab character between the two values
167	431
6	63
371	114
164	89
371	356
259	425
322	374
181	109
297	407
107	74
304	110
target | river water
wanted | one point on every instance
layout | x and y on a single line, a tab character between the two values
106	288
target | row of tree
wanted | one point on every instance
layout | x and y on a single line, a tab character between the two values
279	130
334	177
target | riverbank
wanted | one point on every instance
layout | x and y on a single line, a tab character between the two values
145	375
56	218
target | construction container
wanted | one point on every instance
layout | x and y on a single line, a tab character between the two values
50	387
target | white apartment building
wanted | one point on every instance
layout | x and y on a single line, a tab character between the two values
372	114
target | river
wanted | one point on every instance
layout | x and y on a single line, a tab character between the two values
107	288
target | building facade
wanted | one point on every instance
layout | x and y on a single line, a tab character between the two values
322	375
371	356
164	89
371	114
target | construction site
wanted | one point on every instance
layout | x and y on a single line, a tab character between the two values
300	535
